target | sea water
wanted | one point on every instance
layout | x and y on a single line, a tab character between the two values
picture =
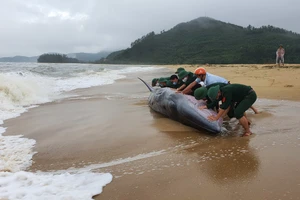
27	85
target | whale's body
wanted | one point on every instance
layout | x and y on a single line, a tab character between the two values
182	108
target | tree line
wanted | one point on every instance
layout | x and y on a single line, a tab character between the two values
56	58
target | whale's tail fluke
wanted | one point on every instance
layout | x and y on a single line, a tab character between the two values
148	86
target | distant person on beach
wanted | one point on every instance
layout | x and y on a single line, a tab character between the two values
236	99
280	55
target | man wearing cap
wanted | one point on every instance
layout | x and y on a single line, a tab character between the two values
175	82
204	79
179	70
201	93
154	82
163	82
187	78
242	96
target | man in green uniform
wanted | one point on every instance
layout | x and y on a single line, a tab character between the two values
201	93
242	96
165	82
154	82
175	82
187	78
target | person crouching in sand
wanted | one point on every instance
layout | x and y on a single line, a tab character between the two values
243	95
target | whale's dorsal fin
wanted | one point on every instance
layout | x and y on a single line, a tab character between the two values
148	86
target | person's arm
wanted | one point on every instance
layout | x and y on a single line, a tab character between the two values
224	108
220	114
189	87
181	87
212	104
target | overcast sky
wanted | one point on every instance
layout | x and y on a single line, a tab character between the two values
33	27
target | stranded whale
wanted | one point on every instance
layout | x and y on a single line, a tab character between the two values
182	108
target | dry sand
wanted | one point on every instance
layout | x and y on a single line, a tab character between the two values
159	158
269	81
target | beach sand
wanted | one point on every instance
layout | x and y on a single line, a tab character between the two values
112	129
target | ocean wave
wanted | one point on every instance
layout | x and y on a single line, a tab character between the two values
23	86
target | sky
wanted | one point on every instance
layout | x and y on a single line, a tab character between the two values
34	27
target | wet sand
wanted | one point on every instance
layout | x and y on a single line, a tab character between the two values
112	129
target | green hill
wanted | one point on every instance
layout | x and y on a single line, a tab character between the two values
205	40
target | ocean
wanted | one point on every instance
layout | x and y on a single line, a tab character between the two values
24	86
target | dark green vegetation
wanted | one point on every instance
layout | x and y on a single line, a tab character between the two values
205	40
56	58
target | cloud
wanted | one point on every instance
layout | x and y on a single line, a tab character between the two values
33	27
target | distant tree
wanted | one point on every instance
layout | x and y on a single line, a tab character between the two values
56	58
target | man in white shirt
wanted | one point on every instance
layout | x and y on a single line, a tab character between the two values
204	79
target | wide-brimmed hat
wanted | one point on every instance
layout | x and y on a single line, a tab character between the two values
162	80
179	70
154	81
200	93
213	92
182	74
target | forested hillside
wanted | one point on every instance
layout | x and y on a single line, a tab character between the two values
205	40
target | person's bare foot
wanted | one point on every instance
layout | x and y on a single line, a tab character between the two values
247	134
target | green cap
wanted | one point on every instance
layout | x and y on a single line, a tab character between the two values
200	93
162	80
179	70
213	92
182	74
154	81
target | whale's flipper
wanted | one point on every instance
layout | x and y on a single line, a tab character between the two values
148	86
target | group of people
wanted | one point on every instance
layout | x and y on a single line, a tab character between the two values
235	98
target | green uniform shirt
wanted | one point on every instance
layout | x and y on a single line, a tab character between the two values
178	85
212	104
191	78
233	93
